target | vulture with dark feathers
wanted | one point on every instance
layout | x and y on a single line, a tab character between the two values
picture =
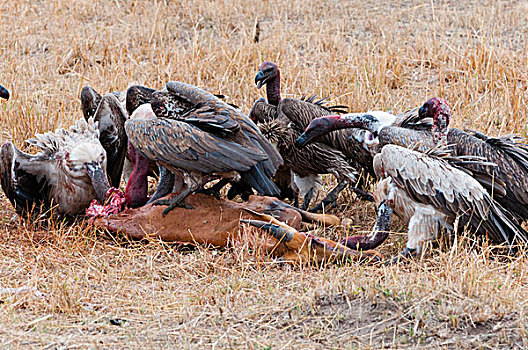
293	115
68	172
430	194
506	180
110	112
4	93
302	112
309	162
110	116
201	137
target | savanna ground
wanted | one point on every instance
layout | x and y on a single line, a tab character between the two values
81	289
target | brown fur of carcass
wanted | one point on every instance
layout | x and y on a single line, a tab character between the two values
212	221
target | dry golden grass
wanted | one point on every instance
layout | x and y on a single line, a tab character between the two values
81	289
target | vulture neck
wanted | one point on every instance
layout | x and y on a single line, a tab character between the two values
439	131
136	193
273	88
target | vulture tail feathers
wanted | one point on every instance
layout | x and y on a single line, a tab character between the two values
260	182
511	230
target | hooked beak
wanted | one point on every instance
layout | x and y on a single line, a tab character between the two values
4	93
260	79
318	127
99	180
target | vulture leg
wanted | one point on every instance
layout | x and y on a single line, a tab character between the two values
175	202
379	233
241	188
331	198
422	228
192	181
215	189
363	195
307	199
165	184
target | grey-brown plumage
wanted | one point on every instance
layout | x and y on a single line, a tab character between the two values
137	95
430	194
69	171
197	134
348	141
296	114
505	175
110	116
310	161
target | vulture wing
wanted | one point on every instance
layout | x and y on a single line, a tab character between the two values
505	154
207	112
179	145
26	179
433	181
262	111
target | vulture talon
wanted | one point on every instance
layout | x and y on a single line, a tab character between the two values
331	199
363	195
179	203
215	189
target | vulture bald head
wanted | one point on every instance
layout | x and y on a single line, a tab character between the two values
323	125
4	93
437	109
268	71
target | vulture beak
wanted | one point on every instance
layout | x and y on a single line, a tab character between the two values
4	93
318	127
323	125
260	79
422	111
99	180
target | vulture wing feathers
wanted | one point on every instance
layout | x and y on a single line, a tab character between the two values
178	145
25	178
508	157
432	181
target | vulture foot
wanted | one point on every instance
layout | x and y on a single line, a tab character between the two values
363	195
331	199
407	253
215	189
176	202
307	199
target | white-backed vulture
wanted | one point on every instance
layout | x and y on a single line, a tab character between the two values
69	171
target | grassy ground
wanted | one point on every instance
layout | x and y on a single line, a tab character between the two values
81	289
